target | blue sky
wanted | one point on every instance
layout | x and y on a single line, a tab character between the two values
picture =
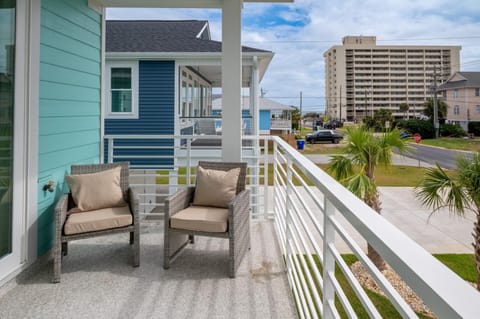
299	33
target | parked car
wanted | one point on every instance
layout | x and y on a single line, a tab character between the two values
333	124
324	136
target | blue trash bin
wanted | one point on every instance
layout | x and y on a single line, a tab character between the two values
300	144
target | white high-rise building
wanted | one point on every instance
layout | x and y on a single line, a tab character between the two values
362	77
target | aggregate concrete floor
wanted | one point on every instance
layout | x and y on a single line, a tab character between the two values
98	281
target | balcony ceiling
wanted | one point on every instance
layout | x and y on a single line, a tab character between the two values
173	3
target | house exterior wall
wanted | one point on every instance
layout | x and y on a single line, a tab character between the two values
156	99
264	120
468	106
69	100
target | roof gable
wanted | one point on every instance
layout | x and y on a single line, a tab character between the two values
461	80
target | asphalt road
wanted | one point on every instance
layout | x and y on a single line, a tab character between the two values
444	157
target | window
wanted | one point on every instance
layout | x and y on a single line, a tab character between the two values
477	108
122	88
477	91
455	94
195	94
456	110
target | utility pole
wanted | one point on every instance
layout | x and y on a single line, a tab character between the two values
435	102
366	103
340	103
301	114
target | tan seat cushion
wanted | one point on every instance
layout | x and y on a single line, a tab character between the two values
97	190
95	220
200	218
215	188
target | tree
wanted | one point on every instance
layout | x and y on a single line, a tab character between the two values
379	119
311	115
295	115
404	109
442	109
459	193
356	168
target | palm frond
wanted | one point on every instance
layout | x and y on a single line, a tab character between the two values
469	176
437	190
360	184
341	167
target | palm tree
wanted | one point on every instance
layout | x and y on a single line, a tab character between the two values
404	109
459	193
442	109
356	168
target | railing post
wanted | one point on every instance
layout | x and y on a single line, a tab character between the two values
110	150
328	261
188	161
288	208
265	177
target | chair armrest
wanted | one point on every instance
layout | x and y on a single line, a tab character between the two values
239	208
61	213
178	201
134	202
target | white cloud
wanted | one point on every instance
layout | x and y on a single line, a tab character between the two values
298	66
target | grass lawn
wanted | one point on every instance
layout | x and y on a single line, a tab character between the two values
466	144
323	148
462	264
397	176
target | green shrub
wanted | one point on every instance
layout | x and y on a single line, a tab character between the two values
423	127
451	130
474	128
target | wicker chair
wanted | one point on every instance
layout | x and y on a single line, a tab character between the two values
238	223
66	203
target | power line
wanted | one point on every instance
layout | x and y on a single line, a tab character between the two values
378	40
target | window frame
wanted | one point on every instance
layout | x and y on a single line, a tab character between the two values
456	109
133	66
456	94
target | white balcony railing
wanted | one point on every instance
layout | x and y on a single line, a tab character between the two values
280	124
313	215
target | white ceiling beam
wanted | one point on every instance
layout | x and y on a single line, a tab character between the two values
173	3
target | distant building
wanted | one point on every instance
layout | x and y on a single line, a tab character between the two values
361	76
461	92
159	80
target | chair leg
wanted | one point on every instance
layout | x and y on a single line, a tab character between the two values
135	237
65	249
166	249
57	262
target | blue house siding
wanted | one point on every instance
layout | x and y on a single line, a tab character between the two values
69	106
264	120
156	99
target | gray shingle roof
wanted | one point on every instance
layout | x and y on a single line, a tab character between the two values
161	36
472	80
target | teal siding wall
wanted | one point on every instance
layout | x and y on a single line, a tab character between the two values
69	115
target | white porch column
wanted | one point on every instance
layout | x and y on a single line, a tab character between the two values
231	80
254	101
254	126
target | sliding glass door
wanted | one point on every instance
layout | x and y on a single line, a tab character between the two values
7	89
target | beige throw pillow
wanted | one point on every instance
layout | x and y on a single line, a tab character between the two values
215	188
97	190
